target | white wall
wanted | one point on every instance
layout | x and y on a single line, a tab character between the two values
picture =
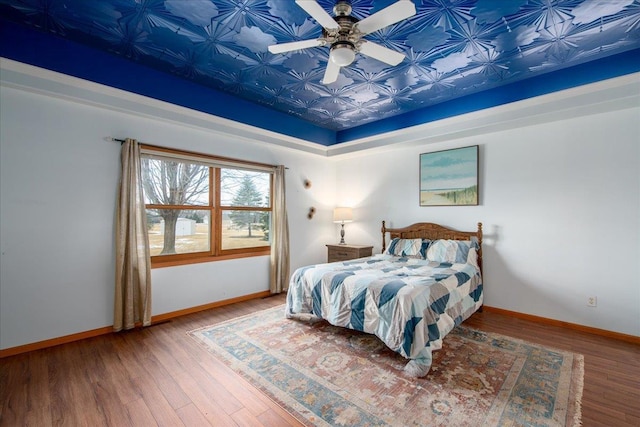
560	205
58	181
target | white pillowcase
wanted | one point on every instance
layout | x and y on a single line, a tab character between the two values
405	247
453	251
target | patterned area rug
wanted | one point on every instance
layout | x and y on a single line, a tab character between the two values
329	376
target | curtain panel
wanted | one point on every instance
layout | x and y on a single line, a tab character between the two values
133	263
279	279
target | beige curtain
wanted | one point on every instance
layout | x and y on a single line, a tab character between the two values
280	235
133	264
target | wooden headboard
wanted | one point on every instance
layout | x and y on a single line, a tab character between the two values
428	230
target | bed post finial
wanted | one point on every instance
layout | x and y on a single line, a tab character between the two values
384	230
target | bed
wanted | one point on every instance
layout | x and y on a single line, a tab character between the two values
425	282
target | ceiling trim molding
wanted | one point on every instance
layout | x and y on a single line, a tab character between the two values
575	76
607	95
51	83
27	45
42	49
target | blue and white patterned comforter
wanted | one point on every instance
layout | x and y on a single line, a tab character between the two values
411	304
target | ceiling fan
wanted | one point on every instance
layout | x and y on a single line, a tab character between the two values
343	33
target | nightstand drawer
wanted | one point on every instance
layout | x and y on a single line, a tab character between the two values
346	252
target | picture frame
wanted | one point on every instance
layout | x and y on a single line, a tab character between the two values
450	177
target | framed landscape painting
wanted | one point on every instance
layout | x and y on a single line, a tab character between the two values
449	177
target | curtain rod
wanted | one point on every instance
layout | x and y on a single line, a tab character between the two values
122	141
112	139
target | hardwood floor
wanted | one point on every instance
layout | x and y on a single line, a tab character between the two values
160	376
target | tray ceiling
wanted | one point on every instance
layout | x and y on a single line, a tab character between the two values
453	48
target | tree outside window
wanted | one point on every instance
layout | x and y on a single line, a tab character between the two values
245	200
172	186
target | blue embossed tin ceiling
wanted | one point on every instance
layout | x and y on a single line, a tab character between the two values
453	48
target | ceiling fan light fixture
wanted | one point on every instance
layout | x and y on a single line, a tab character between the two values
342	54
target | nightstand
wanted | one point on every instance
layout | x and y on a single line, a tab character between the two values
347	252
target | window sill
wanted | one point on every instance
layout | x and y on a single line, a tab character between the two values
198	260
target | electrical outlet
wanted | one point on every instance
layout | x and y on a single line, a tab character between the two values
592	301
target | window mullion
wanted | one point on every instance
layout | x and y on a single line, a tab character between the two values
216	235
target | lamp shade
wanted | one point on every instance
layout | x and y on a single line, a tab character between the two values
342	215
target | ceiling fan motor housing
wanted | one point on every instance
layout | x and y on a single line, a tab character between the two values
342	8
344	41
345	32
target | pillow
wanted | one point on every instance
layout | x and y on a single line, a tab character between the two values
416	248
454	251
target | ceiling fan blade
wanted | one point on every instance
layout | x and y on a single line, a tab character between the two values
331	73
318	13
288	47
398	11
381	53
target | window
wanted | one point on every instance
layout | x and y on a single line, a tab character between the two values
201	208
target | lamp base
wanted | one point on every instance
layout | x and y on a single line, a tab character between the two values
342	235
